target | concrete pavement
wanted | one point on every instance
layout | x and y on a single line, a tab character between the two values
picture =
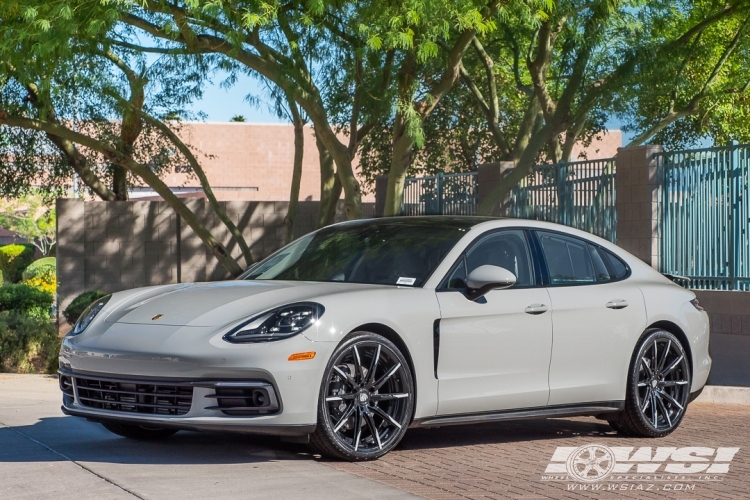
44	454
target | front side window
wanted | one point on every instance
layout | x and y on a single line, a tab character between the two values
507	249
386	253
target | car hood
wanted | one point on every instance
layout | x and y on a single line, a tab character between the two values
220	303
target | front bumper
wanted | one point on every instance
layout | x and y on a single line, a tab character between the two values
171	356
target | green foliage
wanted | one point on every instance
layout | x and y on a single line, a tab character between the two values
31	217
25	299
14	258
42	274
27	344
77	306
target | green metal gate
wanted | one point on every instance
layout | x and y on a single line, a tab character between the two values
442	194
705	216
579	194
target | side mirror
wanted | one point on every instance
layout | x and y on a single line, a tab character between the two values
485	278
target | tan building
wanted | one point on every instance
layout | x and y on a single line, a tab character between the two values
254	161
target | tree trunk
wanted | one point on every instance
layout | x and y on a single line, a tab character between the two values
328	180
400	161
120	183
299	151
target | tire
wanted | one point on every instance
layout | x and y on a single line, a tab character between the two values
139	432
363	412
659	381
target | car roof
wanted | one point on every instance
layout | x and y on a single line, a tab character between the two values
455	221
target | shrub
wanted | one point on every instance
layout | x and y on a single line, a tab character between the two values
74	310
14	259
27	344
41	274
25	300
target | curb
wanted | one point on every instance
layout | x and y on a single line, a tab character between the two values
724	395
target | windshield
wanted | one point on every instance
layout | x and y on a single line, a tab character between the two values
384	253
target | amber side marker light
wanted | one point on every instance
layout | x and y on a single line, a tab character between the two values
301	356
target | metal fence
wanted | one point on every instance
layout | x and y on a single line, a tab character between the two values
706	216
442	194
579	194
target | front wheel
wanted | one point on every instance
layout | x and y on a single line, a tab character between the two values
139	432
366	399
658	387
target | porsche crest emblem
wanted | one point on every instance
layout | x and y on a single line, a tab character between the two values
156	317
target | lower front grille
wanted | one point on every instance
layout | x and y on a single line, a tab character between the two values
134	397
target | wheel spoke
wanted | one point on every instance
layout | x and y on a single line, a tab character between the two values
346	376
670	383
373	367
384	415
648	368
385	377
386	397
357	364
672	366
654	412
646	400
345	417
357	427
663	409
672	400
371	424
340	397
664	356
655	358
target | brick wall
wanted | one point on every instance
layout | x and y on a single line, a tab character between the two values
112	246
730	335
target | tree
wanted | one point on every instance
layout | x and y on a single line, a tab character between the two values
576	63
70	94
31	218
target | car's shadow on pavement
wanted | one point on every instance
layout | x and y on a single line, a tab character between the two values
79	440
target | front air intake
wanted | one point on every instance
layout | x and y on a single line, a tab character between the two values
133	397
254	398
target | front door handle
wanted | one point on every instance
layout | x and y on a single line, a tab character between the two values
617	304
536	309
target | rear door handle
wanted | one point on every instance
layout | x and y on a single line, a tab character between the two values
617	304
536	309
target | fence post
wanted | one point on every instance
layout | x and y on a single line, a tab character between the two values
638	181
734	219
489	175
440	193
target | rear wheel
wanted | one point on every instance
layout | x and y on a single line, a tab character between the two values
366	399
139	432
658	387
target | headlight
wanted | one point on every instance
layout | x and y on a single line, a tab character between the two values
277	324
88	315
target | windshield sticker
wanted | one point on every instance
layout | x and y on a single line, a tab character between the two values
406	281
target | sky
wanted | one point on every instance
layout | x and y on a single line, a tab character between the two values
221	104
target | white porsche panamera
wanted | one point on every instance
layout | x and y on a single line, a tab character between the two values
351	334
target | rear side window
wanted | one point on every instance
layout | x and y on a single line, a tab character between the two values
568	259
572	261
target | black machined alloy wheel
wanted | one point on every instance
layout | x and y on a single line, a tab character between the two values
139	432
366	399
658	387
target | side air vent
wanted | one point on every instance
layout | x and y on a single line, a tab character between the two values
244	398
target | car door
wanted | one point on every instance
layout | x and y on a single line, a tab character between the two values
597	317
493	353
